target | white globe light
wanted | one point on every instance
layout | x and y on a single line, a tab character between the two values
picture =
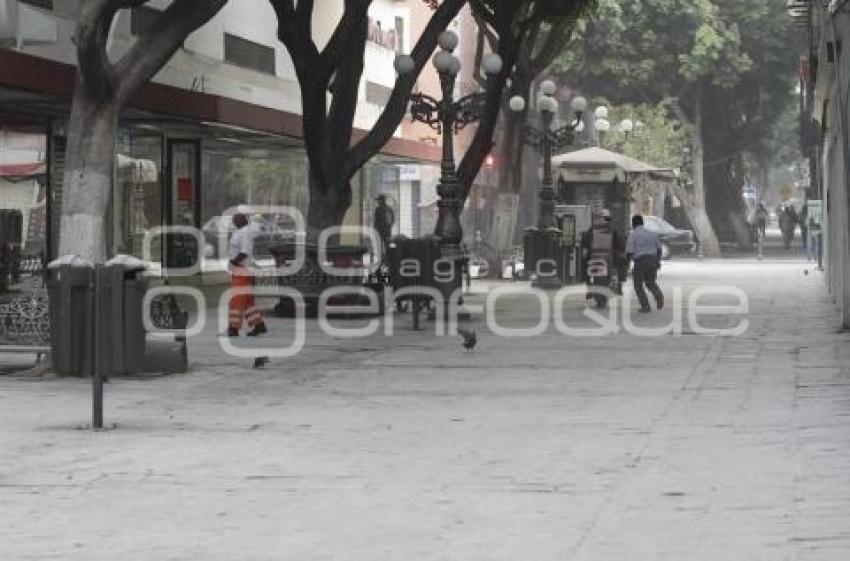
548	87
601	112
454	68
404	64
492	64
517	103
547	103
579	104
443	61
448	40
627	126
602	125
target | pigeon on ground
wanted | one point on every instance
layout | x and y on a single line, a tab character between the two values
260	362
469	338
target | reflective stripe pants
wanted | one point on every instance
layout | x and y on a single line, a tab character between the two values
243	305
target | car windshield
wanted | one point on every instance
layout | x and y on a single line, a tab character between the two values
657	224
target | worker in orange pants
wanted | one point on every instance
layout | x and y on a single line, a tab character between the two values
242	305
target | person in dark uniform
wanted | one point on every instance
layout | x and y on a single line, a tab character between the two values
603	238
384	220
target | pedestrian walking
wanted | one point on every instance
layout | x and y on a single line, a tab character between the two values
242	307
384	219
814	232
644	248
803	219
761	220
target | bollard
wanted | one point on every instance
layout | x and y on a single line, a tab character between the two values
97	362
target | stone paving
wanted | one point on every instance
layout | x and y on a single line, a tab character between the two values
406	447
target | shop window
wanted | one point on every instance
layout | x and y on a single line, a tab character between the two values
43	4
143	19
23	183
248	54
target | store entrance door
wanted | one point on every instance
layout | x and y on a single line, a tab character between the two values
183	202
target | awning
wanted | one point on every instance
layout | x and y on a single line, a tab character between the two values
23	170
597	164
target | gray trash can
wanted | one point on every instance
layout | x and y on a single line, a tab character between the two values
122	287
69	283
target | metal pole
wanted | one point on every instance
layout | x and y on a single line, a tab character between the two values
97	367
415	310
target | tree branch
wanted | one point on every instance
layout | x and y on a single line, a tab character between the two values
396	107
153	49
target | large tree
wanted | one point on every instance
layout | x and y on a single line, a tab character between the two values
329	78
103	89
721	60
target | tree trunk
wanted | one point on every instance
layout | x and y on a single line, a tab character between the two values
328	205
87	182
695	205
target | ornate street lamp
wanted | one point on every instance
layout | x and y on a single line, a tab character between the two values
546	140
544	244
448	117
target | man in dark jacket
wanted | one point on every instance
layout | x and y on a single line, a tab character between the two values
603	239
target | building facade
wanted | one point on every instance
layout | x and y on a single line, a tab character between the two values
825	95
219	126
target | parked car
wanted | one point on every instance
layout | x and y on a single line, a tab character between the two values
218	229
674	241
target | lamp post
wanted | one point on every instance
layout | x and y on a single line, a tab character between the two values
448	117
546	139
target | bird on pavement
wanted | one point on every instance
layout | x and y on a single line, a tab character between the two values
470	339
260	362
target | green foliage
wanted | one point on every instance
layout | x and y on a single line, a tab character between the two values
650	50
659	138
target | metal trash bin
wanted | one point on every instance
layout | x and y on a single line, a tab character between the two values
412	263
122	287
69	284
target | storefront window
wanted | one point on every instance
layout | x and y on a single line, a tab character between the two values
252	173
137	198
23	183
409	188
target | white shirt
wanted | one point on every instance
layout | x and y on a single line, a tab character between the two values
642	242
242	241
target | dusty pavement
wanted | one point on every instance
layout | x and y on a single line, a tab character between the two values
551	447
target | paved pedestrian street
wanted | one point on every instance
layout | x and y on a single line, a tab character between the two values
679	447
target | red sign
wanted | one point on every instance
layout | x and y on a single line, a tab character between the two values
185	189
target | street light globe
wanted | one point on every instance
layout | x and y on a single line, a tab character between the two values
547	103
448	40
601	112
517	103
454	67
443	61
548	87
627	126
579	104
492	64
602	125
404	64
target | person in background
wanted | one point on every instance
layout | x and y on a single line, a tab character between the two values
814	231
604	239
644	248
761	219
803	219
384	220
242	265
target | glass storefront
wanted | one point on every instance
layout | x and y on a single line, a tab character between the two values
23	182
